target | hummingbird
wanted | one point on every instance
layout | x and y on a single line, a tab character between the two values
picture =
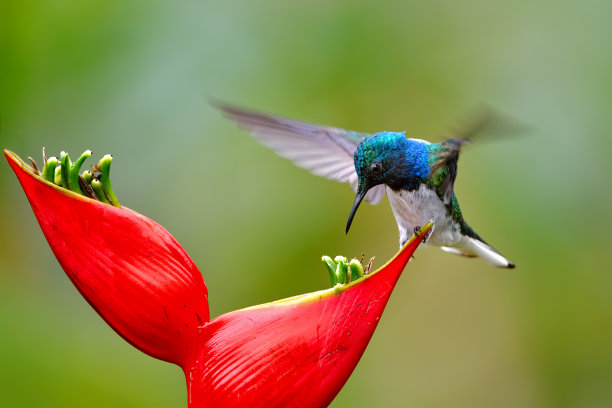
417	176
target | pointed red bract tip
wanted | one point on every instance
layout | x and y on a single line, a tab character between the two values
128	267
297	352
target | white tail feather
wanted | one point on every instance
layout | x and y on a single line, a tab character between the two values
457	251
473	247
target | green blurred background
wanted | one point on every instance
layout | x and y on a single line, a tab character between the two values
133	78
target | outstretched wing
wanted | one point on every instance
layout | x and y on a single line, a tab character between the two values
323	150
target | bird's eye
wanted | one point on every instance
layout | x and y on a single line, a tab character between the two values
376	167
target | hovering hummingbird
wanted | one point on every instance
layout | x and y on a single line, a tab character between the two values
418	176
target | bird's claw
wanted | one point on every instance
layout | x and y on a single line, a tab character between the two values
416	233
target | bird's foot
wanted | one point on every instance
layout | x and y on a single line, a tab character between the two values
416	233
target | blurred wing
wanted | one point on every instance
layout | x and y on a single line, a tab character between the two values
323	150
444	165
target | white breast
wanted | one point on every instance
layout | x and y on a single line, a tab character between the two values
416	208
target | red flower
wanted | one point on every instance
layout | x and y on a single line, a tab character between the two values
293	352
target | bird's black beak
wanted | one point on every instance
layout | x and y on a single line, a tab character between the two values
360	195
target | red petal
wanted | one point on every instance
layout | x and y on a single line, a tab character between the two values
129	268
297	352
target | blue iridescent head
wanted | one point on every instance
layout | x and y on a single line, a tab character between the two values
392	159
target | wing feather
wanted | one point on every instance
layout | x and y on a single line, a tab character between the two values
445	165
323	150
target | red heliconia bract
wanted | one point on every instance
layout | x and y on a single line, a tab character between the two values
128	267
295	352
301	350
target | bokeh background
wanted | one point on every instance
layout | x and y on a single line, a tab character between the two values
134	77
